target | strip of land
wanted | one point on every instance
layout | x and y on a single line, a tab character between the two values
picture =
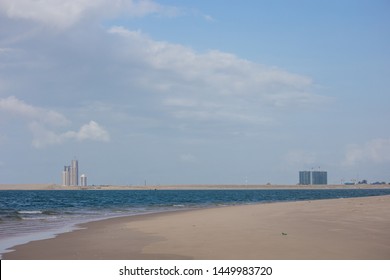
185	187
353	228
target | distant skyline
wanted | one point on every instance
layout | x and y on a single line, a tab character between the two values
194	92
70	174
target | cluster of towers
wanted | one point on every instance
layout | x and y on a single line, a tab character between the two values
70	175
313	177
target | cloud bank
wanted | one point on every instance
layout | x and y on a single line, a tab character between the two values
19	108
210	86
40	119
137	77
64	14
90	131
72	72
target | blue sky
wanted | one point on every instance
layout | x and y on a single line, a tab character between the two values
182	92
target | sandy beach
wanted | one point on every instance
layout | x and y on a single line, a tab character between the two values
354	228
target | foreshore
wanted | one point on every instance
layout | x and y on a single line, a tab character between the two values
184	187
353	228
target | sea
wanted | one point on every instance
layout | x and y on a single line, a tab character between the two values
40	214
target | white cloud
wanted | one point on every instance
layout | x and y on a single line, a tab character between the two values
162	84
57	12
374	151
64	14
12	105
223	73
39	119
213	85
90	131
44	137
159	81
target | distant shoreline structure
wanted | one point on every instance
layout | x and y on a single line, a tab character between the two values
186	187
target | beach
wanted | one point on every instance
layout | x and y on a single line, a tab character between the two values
353	228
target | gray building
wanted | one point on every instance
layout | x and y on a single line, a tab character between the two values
304	178
319	177
313	177
74	173
66	176
70	175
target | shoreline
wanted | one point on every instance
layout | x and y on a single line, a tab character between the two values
186	187
349	228
47	226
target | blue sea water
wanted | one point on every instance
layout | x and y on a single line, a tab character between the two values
34	215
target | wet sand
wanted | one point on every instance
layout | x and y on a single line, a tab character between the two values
353	228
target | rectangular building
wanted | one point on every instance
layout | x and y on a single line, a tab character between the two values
70	175
304	178
83	180
313	177
74	173
66	176
319	177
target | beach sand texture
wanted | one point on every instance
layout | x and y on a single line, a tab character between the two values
354	228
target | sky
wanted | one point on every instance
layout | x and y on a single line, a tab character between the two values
194	92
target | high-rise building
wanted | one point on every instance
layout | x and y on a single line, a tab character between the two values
304	178
319	177
313	177
66	176
74	173
83	180
70	175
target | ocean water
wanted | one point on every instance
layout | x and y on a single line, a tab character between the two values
34	215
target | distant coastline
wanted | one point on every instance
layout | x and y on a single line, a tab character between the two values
184	187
